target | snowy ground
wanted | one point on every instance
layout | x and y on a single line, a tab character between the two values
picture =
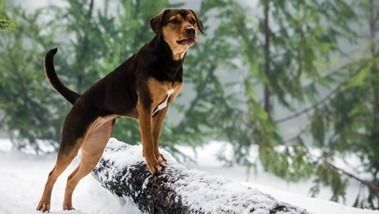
22	178
206	158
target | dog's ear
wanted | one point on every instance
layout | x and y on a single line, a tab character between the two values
199	23
156	23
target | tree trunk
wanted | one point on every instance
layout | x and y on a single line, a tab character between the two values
266	90
177	189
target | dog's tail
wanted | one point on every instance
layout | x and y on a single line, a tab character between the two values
70	95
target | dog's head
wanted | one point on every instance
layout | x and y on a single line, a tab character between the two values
179	28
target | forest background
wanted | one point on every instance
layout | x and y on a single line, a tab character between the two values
295	81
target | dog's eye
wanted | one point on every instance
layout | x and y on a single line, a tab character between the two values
192	21
174	21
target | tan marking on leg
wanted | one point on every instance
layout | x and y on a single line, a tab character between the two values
93	146
158	122
63	160
145	122
157	125
158	92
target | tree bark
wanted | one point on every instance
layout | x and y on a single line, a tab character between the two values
177	189
266	89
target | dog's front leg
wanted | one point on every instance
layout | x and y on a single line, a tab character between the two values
157	125
145	124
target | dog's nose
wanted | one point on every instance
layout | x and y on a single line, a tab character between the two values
190	31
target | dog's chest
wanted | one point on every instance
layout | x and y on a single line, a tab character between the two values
162	93
163	104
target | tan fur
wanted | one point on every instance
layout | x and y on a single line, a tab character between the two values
92	146
158	93
145	124
150	126
157	125
62	162
173	33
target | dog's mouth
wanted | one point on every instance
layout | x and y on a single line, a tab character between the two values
186	41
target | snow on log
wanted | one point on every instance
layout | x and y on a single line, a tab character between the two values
177	189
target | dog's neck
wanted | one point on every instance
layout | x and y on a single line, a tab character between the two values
178	53
164	48
166	64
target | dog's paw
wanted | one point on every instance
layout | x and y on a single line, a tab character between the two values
162	160
154	166
68	205
43	206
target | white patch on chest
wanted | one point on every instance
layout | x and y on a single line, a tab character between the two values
163	104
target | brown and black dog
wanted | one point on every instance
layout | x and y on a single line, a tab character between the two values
140	88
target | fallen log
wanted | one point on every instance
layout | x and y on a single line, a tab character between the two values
177	189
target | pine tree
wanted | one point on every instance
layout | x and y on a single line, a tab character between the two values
5	23
348	118
244	70
285	54
92	41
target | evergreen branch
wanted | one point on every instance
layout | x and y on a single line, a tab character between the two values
199	95
6	24
369	184
310	108
372	186
24	89
327	97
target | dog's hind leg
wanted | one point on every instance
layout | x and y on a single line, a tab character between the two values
63	160
93	146
72	138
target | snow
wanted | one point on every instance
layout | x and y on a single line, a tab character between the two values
313	205
200	191
207	160
22	178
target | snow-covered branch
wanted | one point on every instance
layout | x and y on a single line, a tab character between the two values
177	189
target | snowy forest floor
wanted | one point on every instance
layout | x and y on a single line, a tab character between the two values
22	178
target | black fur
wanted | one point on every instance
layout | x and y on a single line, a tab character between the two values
70	95
118	92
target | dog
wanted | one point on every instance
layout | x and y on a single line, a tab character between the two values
142	87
